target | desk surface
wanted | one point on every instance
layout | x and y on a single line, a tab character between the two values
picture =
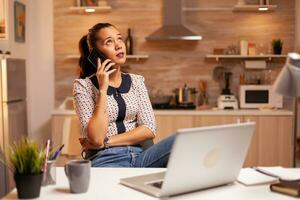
105	185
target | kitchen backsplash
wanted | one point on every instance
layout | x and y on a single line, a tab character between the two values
171	64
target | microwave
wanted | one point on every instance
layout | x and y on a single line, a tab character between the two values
257	96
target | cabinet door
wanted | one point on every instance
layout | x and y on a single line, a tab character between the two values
272	143
66	130
168	124
252	155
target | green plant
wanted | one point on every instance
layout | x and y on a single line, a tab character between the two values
277	43
26	157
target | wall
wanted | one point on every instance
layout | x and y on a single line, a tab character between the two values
41	69
171	64
38	52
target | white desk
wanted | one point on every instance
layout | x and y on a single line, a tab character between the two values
105	185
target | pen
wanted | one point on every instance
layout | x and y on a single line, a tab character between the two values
47	155
57	153
264	172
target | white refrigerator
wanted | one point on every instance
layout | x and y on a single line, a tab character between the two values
13	112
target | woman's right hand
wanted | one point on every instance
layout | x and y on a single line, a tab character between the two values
103	72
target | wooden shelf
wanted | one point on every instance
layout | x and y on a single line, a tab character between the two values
90	9
129	57
255	8
208	9
270	56
137	57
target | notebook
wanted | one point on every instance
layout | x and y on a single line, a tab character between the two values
267	175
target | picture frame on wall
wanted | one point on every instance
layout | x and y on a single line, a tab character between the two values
19	21
3	20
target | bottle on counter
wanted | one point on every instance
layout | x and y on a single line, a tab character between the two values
129	43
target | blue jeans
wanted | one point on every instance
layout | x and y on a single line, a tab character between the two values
134	156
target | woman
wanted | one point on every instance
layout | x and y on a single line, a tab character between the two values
114	108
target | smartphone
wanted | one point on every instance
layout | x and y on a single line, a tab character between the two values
93	57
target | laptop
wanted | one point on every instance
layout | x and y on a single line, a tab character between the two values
201	158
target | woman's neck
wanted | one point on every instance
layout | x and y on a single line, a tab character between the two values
115	78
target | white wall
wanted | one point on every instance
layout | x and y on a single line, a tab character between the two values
39	55
41	72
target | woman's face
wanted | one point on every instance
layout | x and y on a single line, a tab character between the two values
110	42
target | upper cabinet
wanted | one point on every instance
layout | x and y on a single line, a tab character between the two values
240	6
262	6
90	6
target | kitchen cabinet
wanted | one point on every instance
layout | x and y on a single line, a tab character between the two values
90	9
255	57
255	8
66	130
272	141
271	144
168	124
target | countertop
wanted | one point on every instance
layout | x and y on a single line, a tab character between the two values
279	112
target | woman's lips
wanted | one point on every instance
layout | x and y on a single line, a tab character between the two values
120	55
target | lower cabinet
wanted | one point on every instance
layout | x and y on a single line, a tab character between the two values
272	141
66	130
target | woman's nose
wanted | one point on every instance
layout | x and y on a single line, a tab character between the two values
118	45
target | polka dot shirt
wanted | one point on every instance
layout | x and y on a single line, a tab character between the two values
128	106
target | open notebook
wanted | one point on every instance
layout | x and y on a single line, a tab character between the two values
266	175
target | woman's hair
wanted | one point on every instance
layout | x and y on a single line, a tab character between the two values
86	44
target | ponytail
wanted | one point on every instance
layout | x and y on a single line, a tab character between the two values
86	68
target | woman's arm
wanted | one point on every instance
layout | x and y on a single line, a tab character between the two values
98	124
132	137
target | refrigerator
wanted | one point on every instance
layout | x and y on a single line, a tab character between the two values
13	112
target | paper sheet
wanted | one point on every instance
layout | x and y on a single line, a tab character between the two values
249	176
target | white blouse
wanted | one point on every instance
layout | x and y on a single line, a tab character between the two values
128	106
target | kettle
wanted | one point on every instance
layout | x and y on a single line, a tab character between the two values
185	95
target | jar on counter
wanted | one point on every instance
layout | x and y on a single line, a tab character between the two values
244	47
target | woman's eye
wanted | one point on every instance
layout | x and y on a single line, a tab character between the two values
108	42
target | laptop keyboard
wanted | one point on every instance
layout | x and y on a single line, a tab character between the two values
157	184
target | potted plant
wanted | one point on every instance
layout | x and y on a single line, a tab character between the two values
277	46
26	161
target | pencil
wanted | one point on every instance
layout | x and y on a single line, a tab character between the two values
47	155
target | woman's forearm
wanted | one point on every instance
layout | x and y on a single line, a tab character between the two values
132	137
98	124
